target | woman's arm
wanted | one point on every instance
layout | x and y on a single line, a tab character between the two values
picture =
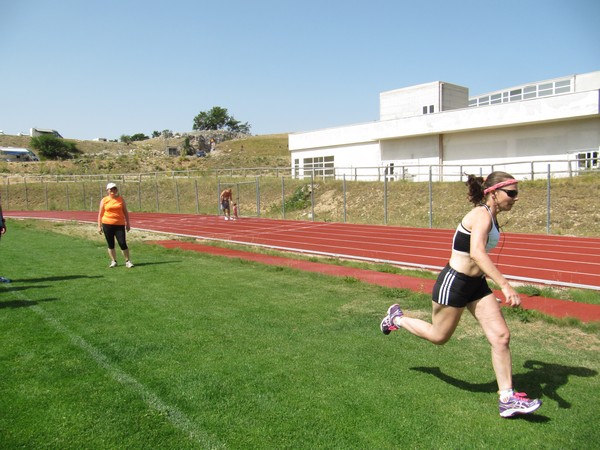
100	214
126	214
481	225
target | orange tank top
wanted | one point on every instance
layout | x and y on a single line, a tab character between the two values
113	211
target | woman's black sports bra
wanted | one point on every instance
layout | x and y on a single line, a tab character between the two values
462	237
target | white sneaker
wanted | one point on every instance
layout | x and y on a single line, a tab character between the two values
226	218
113	264
128	264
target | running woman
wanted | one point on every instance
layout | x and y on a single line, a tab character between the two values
462	284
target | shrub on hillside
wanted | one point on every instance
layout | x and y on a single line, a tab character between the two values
51	147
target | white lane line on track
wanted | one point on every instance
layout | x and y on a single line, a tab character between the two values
229	237
177	418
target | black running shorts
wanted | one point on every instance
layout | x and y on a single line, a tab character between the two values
456	289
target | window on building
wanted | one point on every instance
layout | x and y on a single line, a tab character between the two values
529	92
424	109
320	166
588	160
562	87
430	109
516	95
496	98
544	89
526	92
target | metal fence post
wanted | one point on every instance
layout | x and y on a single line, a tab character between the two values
197	199
385	207
548	203
139	193
156	188
177	195
430	198
26	196
312	195
283	197
532	171
219	197
344	190
257	197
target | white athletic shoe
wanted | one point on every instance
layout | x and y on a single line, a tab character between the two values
128	264
113	264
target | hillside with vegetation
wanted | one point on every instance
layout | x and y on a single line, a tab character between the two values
151	156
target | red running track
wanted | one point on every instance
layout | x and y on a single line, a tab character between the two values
546	259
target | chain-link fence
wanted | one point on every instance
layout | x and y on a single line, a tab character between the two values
554	204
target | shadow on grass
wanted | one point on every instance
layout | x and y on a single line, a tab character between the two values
47	279
542	379
24	303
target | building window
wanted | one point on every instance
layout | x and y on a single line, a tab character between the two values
496	98
424	109
320	166
427	109
562	87
430	109
544	89
588	160
529	92
524	93
515	95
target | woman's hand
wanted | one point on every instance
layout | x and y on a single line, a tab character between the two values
512	297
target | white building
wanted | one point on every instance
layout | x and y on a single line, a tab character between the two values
435	129
33	132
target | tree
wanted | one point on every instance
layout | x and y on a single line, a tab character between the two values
135	137
51	147
139	137
187	147
218	119
164	133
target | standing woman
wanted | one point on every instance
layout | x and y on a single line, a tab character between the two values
462	284
113	220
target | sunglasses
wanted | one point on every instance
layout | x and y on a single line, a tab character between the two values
512	193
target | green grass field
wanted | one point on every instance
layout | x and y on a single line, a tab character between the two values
191	351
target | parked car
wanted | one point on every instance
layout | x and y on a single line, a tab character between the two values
15	154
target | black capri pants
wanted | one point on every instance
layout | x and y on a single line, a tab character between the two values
114	231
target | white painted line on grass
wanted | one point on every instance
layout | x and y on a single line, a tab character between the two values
173	414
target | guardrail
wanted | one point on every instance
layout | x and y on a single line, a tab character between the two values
522	170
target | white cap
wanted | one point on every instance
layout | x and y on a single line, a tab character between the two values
110	186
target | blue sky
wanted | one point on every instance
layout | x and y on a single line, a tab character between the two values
106	68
